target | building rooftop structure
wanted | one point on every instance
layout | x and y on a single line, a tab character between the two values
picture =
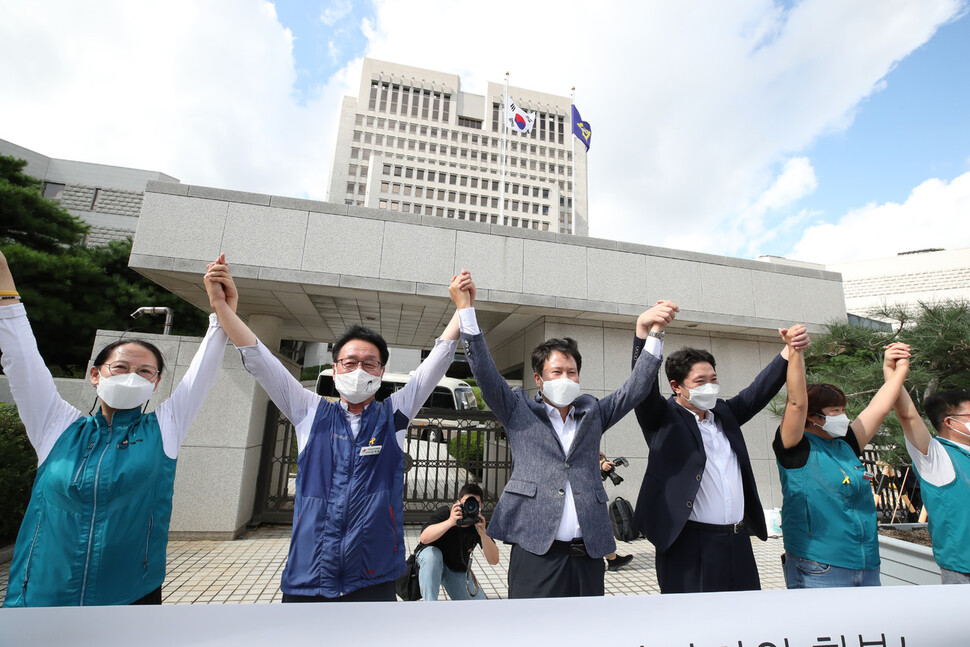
413	141
108	198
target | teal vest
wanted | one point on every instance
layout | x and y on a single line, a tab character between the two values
949	512
828	513
96	527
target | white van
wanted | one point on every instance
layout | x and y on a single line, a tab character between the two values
450	393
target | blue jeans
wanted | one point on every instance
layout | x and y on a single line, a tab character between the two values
803	573
433	573
954	577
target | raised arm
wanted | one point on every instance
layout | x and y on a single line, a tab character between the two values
867	424
414	394
650	410
294	401
756	396
495	390
44	413
796	407
643	380
914	428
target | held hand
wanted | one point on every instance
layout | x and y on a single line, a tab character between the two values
896	357
462	290
220	285
788	335
658	317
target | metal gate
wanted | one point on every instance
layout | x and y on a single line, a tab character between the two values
444	449
276	484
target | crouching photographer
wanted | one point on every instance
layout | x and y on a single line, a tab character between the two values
449	537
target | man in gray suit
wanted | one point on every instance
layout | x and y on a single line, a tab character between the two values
553	509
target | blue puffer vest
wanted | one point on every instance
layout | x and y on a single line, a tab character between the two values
347	527
828	514
96	527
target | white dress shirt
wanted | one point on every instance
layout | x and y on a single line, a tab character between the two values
720	498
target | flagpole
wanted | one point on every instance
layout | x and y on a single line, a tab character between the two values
572	138
505	127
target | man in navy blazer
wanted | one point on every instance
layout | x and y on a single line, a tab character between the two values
553	509
698	502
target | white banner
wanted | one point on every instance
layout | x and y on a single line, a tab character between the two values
897	616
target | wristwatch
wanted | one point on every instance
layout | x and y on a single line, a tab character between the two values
658	335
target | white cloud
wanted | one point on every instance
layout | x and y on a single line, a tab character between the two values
336	11
934	215
693	111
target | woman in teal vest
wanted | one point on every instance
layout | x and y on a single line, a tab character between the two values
96	527
828	518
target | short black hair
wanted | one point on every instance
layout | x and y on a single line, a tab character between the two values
942	404
566	346
105	353
679	363
364	334
471	488
822	396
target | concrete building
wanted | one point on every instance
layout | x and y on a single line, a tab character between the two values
928	276
295	284
412	141
108	198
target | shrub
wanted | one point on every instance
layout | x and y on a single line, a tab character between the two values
468	448
16	472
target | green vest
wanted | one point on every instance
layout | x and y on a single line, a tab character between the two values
949	511
96	527
828	514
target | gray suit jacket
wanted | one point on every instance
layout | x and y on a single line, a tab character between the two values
530	509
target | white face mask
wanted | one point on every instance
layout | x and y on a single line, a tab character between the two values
356	386
705	396
126	391
962	433
836	426
560	392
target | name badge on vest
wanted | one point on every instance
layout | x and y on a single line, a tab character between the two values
372	450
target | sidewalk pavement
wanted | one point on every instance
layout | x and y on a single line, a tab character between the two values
248	570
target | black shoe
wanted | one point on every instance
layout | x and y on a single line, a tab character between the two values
618	562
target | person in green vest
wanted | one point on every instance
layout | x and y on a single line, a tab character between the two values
96	527
828	517
943	467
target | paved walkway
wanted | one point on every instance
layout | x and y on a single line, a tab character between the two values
248	570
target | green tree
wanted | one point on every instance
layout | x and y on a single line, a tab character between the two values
28	217
850	357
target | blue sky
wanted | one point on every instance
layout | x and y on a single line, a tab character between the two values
821	130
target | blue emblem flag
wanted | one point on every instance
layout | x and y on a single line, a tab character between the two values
581	129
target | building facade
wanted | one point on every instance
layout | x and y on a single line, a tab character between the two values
412	141
108	198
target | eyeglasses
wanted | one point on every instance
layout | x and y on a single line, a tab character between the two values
351	364
123	368
958	415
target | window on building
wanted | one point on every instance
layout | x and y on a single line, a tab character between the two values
395	188
359	120
436	106
385	187
383	106
425	104
373	96
387	169
407	189
351	187
446	108
361	189
382	204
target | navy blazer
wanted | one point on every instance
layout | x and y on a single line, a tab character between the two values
530	508
677	458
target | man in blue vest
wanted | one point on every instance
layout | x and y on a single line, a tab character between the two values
348	535
943	467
